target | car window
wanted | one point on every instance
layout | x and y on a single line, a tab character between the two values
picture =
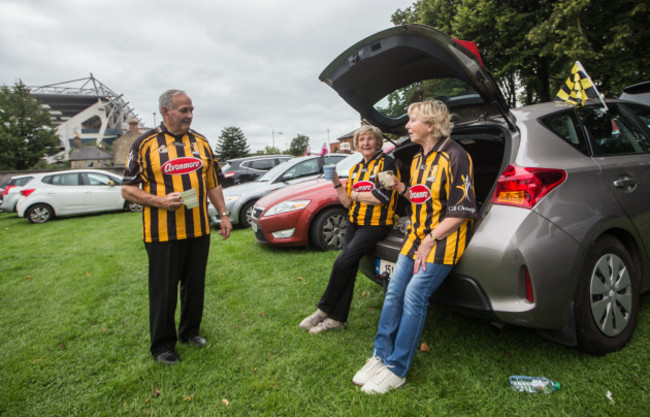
567	127
332	160
20	181
642	112
261	164
94	178
612	132
303	169
395	104
62	179
343	167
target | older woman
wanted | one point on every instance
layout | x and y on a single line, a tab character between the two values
371	210
442	200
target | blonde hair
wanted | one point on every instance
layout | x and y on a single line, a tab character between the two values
433	112
365	129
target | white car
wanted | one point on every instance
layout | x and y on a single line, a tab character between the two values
11	192
72	192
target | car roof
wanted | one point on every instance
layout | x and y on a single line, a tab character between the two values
367	73
248	158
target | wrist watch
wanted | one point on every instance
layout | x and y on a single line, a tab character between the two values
225	214
435	239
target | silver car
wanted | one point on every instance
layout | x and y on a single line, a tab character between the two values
11	192
562	240
241	198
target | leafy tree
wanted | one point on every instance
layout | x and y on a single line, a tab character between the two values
26	133
299	145
530	46
272	150
231	144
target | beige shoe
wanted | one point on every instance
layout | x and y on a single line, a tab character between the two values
372	366
313	320
327	324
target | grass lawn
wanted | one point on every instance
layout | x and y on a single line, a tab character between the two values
75	340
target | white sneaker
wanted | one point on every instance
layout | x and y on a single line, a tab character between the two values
372	366
382	382
313	320
327	324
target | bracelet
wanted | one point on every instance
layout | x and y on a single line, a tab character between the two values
356	196
338	185
405	190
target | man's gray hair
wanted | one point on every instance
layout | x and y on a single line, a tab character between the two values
165	99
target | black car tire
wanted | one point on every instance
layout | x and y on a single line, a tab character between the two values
607	298
132	207
246	214
40	213
328	229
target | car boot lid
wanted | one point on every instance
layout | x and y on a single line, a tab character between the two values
383	73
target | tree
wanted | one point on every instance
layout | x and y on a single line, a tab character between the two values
231	144
530	46
26	133
272	150
299	145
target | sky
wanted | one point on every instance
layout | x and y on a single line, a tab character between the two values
252	64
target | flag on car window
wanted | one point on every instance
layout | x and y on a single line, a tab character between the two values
578	87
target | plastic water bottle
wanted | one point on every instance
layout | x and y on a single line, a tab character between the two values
533	384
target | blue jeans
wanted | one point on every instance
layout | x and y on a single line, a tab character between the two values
404	312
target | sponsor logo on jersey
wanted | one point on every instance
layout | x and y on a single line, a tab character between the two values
180	166
419	194
363	186
162	148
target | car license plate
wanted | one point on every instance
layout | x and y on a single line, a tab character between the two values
383	265
254	227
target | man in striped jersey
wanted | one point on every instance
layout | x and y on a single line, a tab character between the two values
171	171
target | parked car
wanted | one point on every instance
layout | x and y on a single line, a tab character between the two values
11	191
241	198
305	213
241	170
638	92
562	239
71	192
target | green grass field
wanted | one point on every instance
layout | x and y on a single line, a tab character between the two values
75	340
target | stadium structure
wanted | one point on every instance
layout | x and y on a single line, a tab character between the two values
85	110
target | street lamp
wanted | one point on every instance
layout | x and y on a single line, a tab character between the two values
273	132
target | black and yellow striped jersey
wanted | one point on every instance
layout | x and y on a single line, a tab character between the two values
162	163
363	177
441	186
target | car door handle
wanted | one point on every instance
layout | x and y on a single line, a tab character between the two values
627	183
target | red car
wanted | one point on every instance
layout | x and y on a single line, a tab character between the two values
308	213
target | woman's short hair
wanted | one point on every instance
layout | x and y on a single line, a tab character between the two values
365	129
434	112
165	99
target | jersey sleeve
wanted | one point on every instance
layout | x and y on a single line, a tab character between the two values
461	201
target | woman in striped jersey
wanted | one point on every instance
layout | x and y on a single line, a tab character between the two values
443	207
371	209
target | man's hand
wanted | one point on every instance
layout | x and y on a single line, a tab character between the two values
171	201
226	228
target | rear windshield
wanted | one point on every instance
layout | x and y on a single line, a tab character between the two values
450	91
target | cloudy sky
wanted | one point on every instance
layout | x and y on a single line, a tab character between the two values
253	64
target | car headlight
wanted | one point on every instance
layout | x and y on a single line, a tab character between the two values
287	206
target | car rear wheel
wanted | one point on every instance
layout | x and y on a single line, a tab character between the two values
40	213
328	229
246	214
607	300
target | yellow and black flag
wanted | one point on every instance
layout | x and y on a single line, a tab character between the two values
578	87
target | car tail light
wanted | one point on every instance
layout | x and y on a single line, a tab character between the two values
9	187
27	191
228	174
524	187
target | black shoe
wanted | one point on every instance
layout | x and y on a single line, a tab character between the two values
197	341
168	358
